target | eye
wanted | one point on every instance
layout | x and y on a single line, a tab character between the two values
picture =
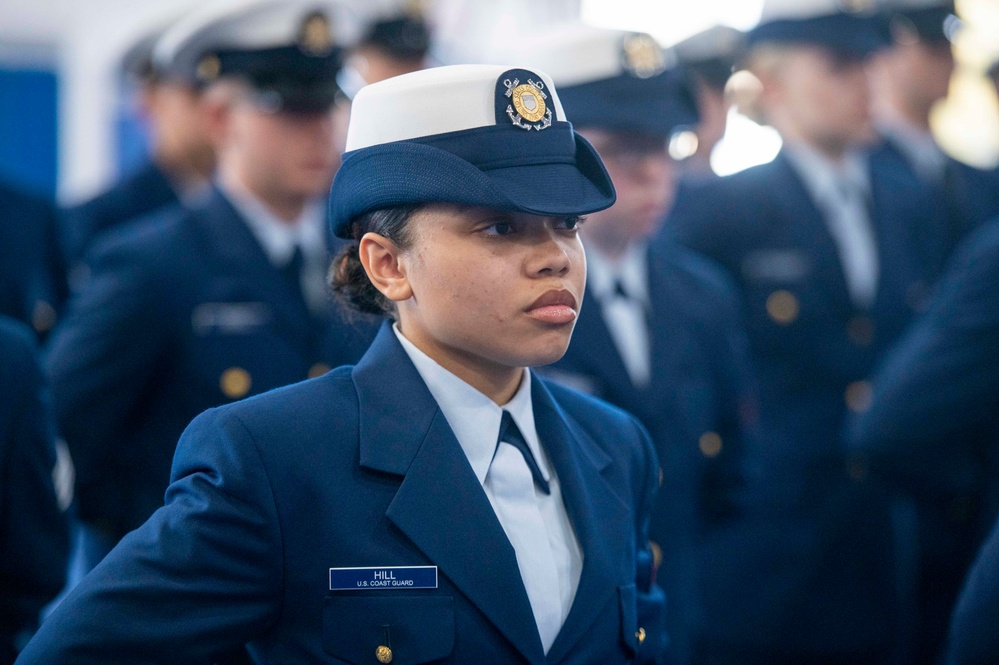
500	228
570	223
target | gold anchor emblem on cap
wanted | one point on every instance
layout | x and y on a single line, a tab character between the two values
315	37
529	101
857	6
209	68
643	56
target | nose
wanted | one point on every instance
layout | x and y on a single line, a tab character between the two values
552	254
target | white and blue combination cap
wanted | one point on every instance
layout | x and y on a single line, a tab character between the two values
616	80
848	27
288	51
479	135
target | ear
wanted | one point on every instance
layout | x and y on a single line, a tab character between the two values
382	262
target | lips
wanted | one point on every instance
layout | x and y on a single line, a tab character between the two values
557	306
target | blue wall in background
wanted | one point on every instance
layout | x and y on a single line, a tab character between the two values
29	129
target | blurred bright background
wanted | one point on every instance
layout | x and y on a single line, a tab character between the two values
66	129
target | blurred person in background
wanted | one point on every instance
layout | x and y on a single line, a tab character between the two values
181	159
821	245
34	534
933	429
710	56
200	306
910	78
659	333
391	45
32	273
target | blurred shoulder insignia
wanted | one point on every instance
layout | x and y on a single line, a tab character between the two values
528	110
316	34
642	56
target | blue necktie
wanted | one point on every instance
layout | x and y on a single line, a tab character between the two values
510	433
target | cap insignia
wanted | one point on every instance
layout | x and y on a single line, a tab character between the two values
858	6
642	56
316	34
209	68
528	109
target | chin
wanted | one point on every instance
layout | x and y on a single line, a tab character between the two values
547	351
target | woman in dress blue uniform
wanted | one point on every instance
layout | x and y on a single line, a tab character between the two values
437	502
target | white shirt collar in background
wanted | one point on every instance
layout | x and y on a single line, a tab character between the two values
277	237
631	271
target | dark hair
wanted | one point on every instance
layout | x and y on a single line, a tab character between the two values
347	278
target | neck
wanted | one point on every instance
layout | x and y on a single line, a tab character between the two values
898	115
497	382
285	207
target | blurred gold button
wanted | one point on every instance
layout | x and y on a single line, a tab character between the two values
235	382
43	317
383	654
640	634
318	370
858	396
860	330
710	444
657	554
783	307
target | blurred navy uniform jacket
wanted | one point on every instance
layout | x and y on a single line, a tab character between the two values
143	192
695	406
34	537
933	425
359	468
32	274
810	568
973	637
183	312
966	198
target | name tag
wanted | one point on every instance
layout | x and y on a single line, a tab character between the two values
404	577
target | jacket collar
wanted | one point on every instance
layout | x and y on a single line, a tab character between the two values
442	509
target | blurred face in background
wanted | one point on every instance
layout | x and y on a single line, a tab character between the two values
644	176
914	75
283	158
180	135
815	95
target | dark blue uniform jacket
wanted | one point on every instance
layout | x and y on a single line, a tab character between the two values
183	312
359	468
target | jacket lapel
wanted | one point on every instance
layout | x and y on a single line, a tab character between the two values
807	226
238	250
590	333
595	511
440	505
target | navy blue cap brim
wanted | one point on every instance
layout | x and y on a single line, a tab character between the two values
848	34
554	172
657	106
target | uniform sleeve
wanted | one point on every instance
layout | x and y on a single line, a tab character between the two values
104	354
696	218
200	578
651	602
974	639
34	537
938	392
